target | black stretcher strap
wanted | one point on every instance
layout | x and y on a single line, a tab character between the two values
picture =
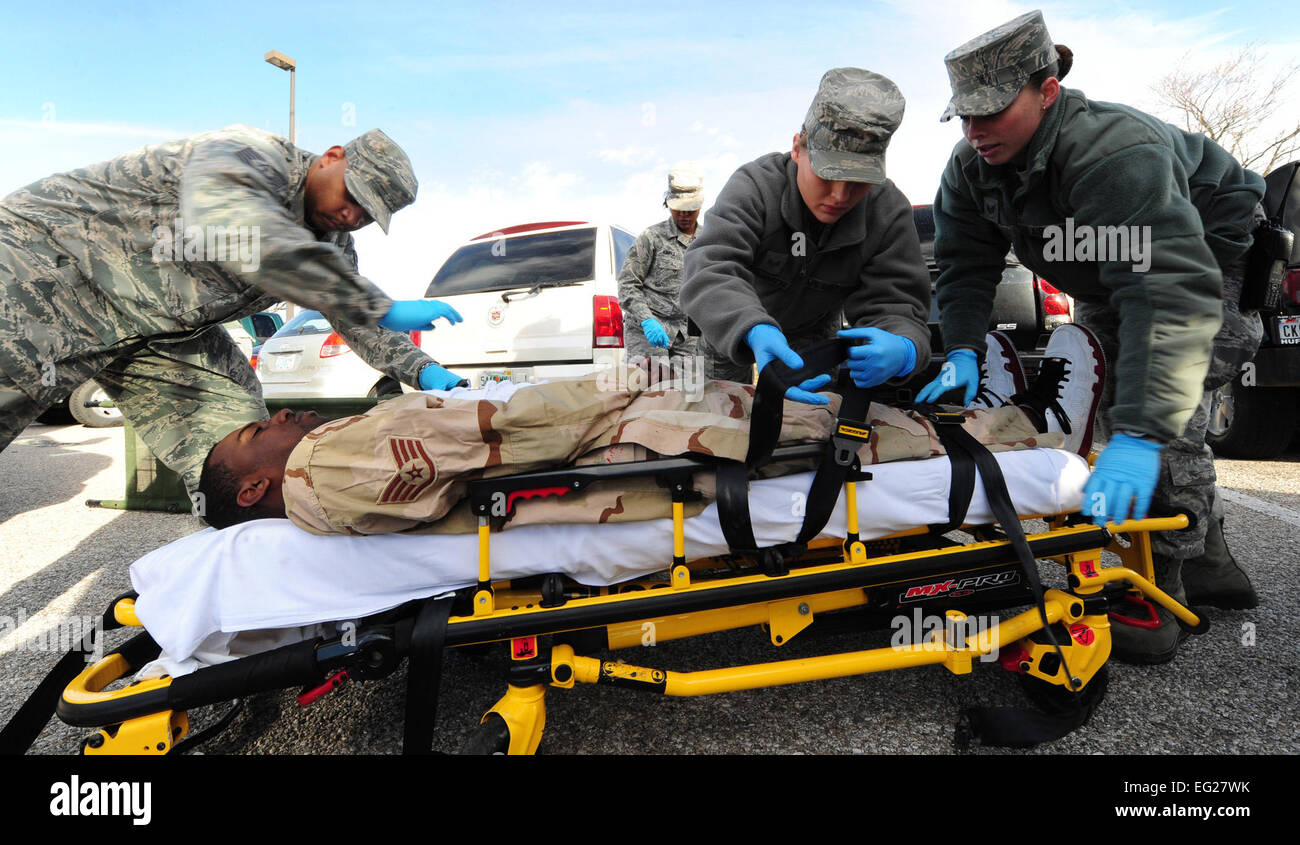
1016	727
732	480
769	398
839	458
1012	728
424	673
27	724
960	488
34	715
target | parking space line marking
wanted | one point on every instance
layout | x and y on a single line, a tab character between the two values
1260	505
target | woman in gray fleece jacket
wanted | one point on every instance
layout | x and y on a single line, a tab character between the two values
798	241
1146	226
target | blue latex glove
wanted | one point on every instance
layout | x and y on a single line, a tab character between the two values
962	369
1127	469
654	332
769	343
434	377
417	315
884	356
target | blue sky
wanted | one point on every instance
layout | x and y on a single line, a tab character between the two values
513	112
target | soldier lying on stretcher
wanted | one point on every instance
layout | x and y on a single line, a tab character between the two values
403	465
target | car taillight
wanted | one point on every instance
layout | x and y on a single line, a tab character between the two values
1291	286
252	362
607	322
415	336
1054	302
334	345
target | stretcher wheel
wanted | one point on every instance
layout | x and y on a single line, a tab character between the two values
1059	701
491	737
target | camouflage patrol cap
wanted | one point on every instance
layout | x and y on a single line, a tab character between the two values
989	71
685	190
379	176
850	123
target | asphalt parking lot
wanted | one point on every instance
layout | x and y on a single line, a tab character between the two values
1232	691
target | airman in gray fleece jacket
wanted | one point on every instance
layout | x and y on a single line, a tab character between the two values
798	241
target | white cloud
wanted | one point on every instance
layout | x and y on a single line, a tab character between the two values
627	156
69	127
588	160
35	149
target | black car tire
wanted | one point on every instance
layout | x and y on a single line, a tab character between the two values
1251	422
385	388
92	417
56	415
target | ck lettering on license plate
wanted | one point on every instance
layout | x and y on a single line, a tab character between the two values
1288	330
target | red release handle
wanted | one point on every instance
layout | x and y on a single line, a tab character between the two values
332	683
536	492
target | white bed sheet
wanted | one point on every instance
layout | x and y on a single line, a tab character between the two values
215	595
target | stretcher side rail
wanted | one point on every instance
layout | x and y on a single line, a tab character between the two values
310	662
485	493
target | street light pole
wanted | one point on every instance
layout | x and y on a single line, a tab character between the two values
283	62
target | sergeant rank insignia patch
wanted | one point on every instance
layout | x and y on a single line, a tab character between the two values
415	471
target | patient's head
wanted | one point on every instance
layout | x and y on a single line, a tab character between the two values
244	471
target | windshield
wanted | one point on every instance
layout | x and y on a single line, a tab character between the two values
622	244
307	322
506	263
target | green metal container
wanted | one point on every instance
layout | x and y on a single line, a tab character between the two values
150	486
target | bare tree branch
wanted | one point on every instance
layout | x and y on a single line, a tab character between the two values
1230	106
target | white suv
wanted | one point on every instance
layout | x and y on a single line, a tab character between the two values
539	301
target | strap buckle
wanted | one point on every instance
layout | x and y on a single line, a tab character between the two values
846	437
941	417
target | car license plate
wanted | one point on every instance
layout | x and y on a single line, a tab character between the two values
1288	330
488	376
285	362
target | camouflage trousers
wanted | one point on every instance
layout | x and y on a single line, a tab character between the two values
180	395
1186	463
681	344
17	411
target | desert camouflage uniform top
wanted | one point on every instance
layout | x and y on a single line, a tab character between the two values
649	284
405	462
94	275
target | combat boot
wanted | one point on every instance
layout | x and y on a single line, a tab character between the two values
1142	631
1215	578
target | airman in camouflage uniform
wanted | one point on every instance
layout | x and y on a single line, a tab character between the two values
124	270
404	463
651	278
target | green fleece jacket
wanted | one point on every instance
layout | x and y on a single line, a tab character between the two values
1183	205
